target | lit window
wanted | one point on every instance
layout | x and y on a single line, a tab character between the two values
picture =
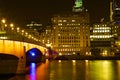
73	20
59	20
64	20
59	24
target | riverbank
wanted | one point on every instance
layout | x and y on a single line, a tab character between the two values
79	57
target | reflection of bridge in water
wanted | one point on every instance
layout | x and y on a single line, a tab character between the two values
17	42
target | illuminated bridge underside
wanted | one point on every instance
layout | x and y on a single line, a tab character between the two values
17	48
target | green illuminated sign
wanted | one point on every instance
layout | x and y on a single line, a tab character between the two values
78	3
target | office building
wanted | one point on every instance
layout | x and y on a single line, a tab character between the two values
101	38
71	33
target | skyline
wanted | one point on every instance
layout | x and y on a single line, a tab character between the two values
23	12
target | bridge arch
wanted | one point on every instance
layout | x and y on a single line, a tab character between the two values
34	55
17	48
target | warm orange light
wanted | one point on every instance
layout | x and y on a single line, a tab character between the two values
11	25
3	20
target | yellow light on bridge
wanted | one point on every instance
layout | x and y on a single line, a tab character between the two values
11	25
3	20
18	28
5	25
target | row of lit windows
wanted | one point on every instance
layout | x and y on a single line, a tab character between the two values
75	27
103	39
100	25
60	24
101	30
69	49
69	45
66	20
70	37
100	36
73	30
69	41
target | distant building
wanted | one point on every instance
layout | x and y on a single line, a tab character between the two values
115	36
101	38
116	10
33	28
115	25
71	33
46	36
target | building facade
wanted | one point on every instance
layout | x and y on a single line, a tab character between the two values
116	10
115	25
71	33
101	38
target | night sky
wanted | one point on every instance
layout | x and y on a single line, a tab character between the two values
24	11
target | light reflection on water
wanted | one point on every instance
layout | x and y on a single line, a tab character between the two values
75	70
32	71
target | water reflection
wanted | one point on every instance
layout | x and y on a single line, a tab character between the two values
74	70
84	70
102	70
32	71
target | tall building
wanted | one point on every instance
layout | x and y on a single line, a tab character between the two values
115	25
46	36
101	38
116	10
71	33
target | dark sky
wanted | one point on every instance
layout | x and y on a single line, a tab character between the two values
24	11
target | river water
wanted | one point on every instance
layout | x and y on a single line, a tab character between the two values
73	70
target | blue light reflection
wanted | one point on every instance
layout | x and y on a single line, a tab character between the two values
33	71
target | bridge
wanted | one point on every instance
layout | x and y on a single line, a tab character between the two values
16	41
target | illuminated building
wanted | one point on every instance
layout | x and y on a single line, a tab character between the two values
71	33
33	28
101	37
116	10
46	36
115	24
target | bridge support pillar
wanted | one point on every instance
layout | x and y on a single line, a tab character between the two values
21	69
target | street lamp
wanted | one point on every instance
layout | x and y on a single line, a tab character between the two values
11	25
3	20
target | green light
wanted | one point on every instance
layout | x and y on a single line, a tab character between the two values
78	3
78	6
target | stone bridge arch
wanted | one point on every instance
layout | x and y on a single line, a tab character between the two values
17	48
